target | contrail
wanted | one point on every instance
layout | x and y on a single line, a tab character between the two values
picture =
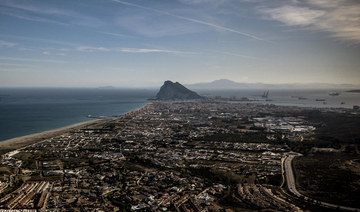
190	19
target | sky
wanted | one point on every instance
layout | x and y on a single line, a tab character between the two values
139	43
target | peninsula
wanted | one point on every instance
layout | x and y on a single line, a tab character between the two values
190	156
175	91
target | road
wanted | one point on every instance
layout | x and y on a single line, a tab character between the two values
290	180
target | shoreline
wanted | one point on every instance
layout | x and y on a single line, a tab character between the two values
22	141
19	142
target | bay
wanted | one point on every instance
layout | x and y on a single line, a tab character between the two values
25	111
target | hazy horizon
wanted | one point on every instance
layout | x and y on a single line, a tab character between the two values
137	44
256	85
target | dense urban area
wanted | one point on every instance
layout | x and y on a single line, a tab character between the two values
186	156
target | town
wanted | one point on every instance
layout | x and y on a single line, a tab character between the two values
165	156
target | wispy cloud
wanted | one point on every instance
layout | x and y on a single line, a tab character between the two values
212	25
91	49
16	67
52	53
195	2
242	55
326	3
6	44
340	18
134	50
23	16
59	42
113	34
31	60
73	47
293	15
128	50
41	13
17	64
13	69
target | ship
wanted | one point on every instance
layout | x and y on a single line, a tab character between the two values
334	93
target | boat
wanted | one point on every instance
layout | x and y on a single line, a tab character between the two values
342	103
334	93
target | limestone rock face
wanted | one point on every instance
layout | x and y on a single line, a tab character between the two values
175	91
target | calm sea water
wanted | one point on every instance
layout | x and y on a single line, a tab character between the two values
294	97
26	111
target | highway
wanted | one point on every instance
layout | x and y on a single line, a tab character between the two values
290	180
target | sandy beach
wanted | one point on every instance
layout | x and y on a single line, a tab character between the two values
22	141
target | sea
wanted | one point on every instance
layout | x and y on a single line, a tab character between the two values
317	98
25	111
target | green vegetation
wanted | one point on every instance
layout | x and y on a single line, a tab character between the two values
212	176
228	199
246	137
330	177
124	205
333	130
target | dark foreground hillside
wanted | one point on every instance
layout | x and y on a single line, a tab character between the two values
330	177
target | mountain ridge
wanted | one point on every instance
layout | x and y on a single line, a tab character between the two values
229	84
175	91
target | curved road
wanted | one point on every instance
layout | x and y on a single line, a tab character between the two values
290	180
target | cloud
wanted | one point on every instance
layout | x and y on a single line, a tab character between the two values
150	25
31	60
326	3
113	34
134	50
17	64
195	2
41	13
241	55
43	40
340	18
92	49
128	50
6	44
293	15
23	49
30	18
212	25
13	70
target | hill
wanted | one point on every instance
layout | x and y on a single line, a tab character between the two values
175	91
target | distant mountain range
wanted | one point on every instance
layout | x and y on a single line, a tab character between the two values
229	84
